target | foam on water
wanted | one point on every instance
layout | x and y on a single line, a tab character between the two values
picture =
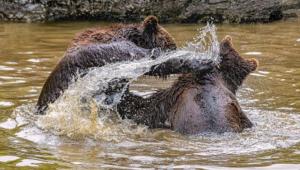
79	114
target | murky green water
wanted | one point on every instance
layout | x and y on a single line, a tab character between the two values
270	96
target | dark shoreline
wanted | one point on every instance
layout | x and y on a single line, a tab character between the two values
168	11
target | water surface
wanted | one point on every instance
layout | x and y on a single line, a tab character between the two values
270	97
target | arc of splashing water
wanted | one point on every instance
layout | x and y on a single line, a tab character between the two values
205	44
68	107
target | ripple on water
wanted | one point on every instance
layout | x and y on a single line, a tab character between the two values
9	124
36	60
6	68
6	104
11	62
273	167
29	162
8	158
263	72
147	159
272	130
253	53
10	78
290	71
258	74
13	82
36	135
25	52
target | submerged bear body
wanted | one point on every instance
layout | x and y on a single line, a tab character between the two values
197	103
208	107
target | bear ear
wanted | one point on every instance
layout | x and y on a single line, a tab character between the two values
228	40
151	23
253	64
226	45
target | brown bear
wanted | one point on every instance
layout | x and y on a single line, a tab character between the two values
202	100
197	102
147	35
79	62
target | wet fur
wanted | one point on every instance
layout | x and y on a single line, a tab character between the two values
149	34
201	101
79	62
197	103
82	53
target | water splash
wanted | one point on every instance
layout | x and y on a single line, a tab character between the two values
79	114
206	43
83	111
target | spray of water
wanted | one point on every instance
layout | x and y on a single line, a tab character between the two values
205	43
80	114
82	110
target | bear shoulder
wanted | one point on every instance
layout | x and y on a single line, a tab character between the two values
148	34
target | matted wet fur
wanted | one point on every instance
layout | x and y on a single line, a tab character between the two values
148	34
197	103
78	62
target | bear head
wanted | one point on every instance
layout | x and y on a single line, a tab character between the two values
233	67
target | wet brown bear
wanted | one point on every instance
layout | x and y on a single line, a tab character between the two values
147	35
78	62
197	102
